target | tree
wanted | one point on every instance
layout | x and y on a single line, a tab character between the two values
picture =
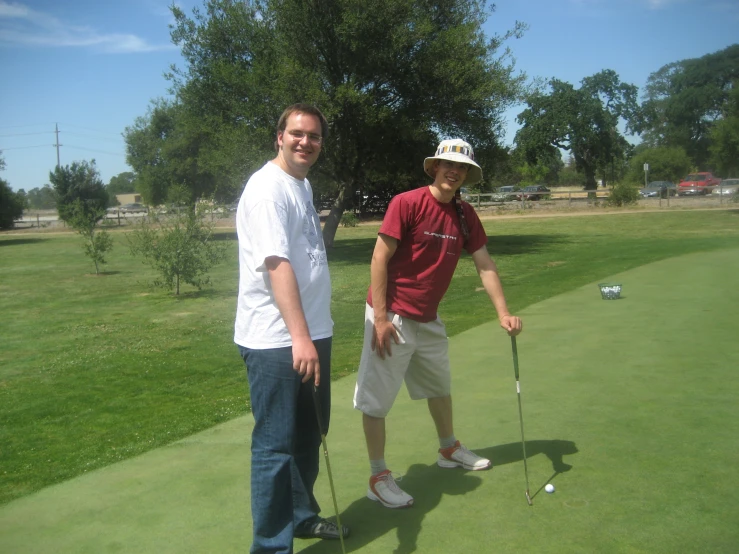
181	248
583	121
569	175
11	206
23	198
392	80
84	219
684	100
724	146
123	183
165	150
11	203
545	170
42	198
81	203
79	181
665	164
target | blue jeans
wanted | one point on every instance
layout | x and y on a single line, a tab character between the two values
285	444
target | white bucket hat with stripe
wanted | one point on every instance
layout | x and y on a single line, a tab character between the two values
456	150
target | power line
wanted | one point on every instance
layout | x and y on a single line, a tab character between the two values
27	125
23	147
26	134
88	129
93	150
88	136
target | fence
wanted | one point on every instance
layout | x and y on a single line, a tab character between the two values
582	200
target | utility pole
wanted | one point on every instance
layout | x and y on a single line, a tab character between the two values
57	144
646	173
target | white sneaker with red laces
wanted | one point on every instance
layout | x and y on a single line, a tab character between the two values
459	456
384	489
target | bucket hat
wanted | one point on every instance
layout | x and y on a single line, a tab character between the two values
456	150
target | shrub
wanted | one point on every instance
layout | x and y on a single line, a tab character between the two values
623	194
181	248
349	219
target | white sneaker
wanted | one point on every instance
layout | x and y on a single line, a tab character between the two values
384	489
459	456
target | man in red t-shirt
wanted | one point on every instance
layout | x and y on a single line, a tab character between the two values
417	250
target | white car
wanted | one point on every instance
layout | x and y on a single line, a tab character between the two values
727	187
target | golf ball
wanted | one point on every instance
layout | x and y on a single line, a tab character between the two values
549	488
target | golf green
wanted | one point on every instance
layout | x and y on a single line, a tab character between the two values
629	408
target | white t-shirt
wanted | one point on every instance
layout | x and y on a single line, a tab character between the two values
276	217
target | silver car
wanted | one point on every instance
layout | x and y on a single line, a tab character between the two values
727	187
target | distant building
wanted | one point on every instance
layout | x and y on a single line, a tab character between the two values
129	198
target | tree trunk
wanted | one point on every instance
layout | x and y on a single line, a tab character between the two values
334	218
590	184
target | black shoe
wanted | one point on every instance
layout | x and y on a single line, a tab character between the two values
322	529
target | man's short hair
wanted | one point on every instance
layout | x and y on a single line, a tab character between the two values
305	109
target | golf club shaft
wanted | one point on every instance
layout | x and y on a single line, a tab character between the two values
514	348
321	430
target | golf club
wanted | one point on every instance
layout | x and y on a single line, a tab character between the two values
317	406
520	417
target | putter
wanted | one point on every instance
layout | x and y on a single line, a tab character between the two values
316	405
520	418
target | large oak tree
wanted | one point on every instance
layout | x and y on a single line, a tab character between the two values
392	77
685	100
582	121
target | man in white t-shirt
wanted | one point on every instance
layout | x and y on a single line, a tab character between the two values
283	331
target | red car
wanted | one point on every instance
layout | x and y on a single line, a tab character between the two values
698	183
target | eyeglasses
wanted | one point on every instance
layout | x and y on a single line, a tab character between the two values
297	136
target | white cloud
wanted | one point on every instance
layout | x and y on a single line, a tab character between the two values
22	25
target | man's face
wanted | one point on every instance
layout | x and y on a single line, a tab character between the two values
300	143
450	175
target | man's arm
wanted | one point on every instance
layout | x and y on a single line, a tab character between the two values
488	272
385	247
287	297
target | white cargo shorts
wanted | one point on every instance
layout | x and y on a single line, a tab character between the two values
421	360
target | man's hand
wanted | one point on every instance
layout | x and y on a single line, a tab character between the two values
305	360
512	324
381	333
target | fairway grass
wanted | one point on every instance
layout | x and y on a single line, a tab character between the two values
98	369
628	411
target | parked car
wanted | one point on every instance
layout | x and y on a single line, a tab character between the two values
534	192
698	183
465	194
506	193
727	187
659	189
134	208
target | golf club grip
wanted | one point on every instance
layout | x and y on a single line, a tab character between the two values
514	348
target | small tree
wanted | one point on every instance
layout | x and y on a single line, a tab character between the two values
81	202
623	194
84	219
180	247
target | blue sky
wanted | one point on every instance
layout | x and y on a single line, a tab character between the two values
92	66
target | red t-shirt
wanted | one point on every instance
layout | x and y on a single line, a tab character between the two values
430	242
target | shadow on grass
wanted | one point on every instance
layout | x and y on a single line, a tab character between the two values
428	484
521	244
359	251
225	236
209	293
512	452
369	520
20	241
